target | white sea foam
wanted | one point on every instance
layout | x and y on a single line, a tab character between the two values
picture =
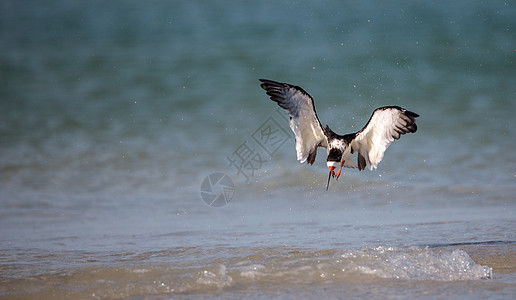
413	263
216	276
416	263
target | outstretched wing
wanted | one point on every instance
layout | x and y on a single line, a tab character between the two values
385	125
303	118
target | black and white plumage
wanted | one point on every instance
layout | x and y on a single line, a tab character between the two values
386	124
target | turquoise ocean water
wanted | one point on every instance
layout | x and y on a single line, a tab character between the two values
113	114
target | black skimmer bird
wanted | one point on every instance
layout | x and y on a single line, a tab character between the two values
386	124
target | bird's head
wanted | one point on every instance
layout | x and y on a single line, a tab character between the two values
334	161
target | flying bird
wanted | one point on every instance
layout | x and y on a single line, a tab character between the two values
386	124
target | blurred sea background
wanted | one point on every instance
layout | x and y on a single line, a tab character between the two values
113	114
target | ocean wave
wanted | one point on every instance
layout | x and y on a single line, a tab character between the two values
249	269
